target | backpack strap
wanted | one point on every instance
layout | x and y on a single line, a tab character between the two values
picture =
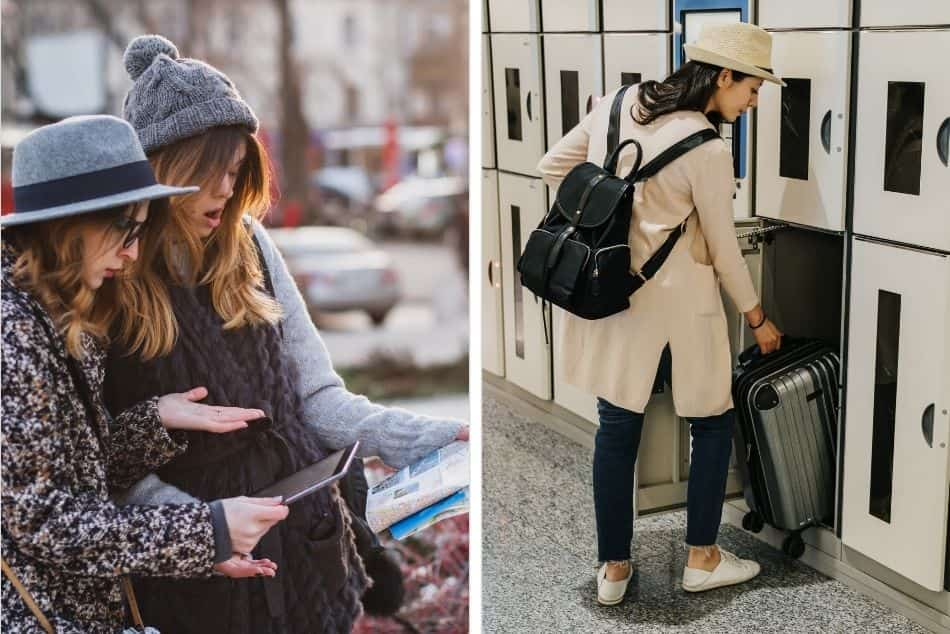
613	128
664	158
670	154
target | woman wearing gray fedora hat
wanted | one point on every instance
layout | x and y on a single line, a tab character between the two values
675	329
86	200
224	311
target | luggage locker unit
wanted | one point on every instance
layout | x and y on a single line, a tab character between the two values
803	14
515	16
895	496
689	17
642	15
570	15
488	114
906	13
801	131
493	346
519	110
630	58
902	176
573	71
522	204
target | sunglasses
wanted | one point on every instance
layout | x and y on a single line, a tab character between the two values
131	227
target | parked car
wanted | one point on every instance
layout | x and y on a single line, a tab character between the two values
339	269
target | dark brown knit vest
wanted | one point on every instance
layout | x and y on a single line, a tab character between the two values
320	577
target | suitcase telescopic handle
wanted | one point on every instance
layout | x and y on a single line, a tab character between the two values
927	424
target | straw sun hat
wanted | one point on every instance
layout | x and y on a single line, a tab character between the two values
738	46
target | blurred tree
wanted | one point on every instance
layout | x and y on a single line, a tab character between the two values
294	131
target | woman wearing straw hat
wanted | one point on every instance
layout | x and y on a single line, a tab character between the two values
675	329
86	200
223	309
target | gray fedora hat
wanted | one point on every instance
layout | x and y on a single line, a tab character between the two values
79	165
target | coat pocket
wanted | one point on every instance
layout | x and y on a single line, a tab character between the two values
326	552
708	301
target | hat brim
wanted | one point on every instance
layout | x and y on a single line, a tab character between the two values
698	54
151	192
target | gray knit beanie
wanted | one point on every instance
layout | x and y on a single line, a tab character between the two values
175	98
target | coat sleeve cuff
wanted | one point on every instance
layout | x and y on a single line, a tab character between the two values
222	536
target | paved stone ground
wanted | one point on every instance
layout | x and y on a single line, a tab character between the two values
539	557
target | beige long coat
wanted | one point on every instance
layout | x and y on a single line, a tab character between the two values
617	357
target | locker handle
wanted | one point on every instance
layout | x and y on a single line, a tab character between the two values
927	425
943	141
826	132
529	106
491	265
590	103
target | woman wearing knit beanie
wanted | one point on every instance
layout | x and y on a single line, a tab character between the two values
219	305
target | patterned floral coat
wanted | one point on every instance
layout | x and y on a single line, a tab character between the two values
60	533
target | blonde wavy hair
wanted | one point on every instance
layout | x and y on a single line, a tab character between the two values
227	260
50	261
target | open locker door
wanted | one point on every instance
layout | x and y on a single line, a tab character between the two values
894	502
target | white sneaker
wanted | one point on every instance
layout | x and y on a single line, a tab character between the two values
612	592
730	571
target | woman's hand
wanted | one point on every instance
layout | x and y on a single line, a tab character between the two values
249	518
180	411
768	336
239	567
462	433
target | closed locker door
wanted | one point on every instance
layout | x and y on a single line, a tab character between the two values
514	16
488	115
570	15
519	111
566	395
894	503
902	177
801	131
484	17
522	203
642	15
803	14
905	13
630	58
493	347
573	71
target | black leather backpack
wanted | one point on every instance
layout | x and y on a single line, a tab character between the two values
579	256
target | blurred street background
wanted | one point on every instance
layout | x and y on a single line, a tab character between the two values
364	108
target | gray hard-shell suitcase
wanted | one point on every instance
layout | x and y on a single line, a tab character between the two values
787	413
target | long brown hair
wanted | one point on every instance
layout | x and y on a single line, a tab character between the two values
227	260
49	265
689	88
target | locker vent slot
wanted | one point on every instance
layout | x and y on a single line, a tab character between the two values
519	291
627	79
513	100
905	135
570	108
793	140
885	403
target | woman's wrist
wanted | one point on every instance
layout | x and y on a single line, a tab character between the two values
761	322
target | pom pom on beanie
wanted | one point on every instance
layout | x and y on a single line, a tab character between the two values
143	50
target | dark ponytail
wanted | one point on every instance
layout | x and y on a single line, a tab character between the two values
689	88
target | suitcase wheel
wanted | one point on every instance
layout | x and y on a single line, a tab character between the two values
752	522
793	546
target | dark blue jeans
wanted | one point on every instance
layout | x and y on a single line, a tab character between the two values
615	454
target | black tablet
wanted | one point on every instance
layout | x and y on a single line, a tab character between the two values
312	478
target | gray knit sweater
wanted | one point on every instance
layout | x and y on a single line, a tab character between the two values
337	416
